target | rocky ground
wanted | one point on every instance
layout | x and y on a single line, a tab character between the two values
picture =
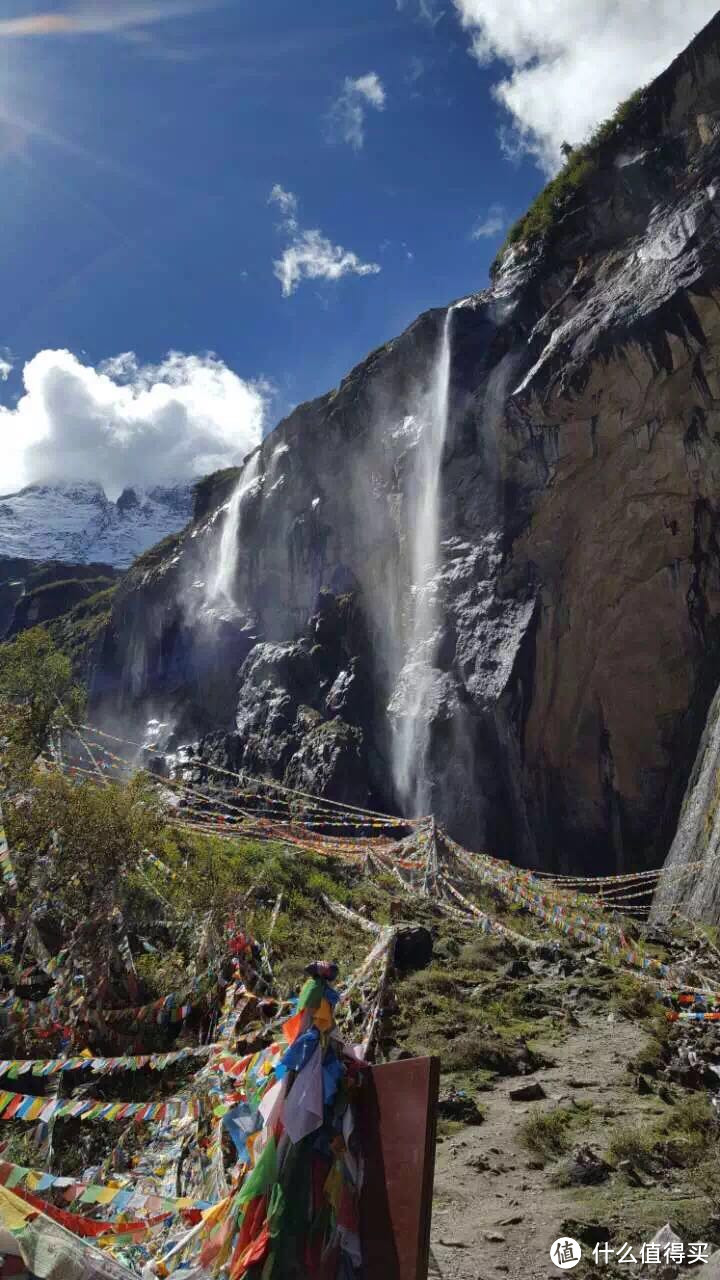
581	1145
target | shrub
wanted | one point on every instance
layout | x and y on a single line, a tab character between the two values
37	694
688	1134
101	833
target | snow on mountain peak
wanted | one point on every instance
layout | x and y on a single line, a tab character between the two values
78	523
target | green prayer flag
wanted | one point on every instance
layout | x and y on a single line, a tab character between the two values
311	994
262	1177
276	1210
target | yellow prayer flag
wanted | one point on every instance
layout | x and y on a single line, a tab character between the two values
333	1186
217	1211
13	1211
323	1018
104	1195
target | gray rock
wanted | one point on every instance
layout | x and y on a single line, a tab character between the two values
666	1236
711	1269
585	1168
531	1092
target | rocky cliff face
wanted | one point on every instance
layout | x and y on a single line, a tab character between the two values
690	883
577	583
36	592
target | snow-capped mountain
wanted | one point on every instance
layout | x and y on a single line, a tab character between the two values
78	523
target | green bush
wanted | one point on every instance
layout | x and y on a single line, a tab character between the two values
102	832
37	694
634	999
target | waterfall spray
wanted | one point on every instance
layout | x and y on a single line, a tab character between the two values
414	700
221	579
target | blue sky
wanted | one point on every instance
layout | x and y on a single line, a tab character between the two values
140	141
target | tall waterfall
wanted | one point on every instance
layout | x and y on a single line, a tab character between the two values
415	696
222	574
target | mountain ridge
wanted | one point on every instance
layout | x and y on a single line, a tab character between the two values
77	523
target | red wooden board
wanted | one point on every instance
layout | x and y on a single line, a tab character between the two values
397	1128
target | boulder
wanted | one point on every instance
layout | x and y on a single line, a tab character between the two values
585	1168
413	947
458	1105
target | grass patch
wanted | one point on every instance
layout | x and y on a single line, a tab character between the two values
635	1213
547	1133
77	587
651	1059
689	1133
633	1000
686	1136
632	1143
478	1028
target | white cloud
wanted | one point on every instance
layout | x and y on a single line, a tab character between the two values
6	368
95	17
571	63
489	225
287	204
347	114
310	255
123	423
370	87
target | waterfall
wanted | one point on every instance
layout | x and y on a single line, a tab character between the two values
417	689
221	576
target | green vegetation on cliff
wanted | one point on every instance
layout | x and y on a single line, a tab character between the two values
580	165
75	632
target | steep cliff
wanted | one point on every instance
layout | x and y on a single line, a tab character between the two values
576	587
690	883
35	592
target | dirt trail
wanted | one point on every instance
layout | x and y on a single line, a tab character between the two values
495	1215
